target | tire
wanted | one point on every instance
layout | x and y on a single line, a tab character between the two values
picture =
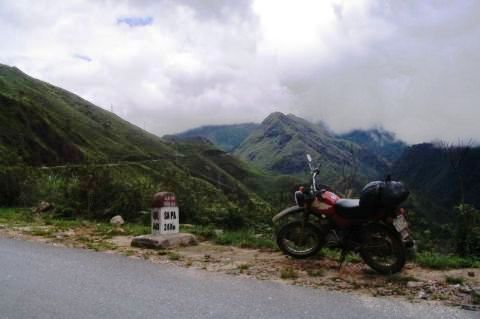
288	239
383	250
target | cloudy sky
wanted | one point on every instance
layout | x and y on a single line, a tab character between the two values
412	67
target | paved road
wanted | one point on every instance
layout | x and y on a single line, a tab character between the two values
40	281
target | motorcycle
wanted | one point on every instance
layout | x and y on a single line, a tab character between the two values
374	226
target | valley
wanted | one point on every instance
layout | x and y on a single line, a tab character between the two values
90	163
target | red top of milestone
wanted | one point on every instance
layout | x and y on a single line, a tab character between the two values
164	199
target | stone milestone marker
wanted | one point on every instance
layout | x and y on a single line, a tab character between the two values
165	214
165	225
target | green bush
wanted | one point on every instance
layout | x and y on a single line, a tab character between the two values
438	261
245	239
467	235
15	186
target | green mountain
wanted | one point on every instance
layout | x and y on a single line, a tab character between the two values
225	137
58	147
383	143
46	125
281	141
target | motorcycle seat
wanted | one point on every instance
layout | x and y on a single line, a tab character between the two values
350	209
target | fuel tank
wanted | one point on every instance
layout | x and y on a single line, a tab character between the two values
324	203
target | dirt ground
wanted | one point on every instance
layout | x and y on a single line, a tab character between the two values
456	287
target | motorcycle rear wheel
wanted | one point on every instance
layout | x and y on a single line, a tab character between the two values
290	241
383	250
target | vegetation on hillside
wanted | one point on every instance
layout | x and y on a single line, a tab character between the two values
445	208
45	125
60	148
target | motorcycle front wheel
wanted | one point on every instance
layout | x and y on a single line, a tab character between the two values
297	243
383	250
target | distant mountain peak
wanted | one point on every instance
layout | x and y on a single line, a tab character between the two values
281	141
273	117
226	137
379	141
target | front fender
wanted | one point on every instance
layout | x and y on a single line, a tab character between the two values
287	211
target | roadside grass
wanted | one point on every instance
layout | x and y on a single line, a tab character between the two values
47	224
202	232
243	238
288	273
335	254
136	229
438	261
453	280
400	279
243	267
316	272
16	216
101	246
476	298
43	231
19	217
174	256
64	224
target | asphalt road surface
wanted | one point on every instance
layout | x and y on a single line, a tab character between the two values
40	281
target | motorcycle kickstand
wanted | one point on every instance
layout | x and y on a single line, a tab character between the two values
342	259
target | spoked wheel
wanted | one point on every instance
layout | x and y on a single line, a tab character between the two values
297	243
383	250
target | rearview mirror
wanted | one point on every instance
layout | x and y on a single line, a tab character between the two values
309	158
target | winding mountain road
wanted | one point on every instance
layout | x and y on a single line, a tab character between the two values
41	281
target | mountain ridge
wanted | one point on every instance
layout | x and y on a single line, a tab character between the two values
45	125
281	141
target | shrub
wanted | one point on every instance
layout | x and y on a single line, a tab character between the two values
244	239
454	280
15	186
438	261
288	273
467	235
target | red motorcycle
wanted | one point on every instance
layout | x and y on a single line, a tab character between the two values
374	226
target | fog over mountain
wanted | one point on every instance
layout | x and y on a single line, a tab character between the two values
408	66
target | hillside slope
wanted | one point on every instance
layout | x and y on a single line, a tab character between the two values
88	160
426	168
46	125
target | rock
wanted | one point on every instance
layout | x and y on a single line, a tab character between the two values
164	241
471	274
422	295
465	289
42	207
62	235
117	220
218	232
414	284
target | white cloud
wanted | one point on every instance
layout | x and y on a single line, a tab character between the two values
171	65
